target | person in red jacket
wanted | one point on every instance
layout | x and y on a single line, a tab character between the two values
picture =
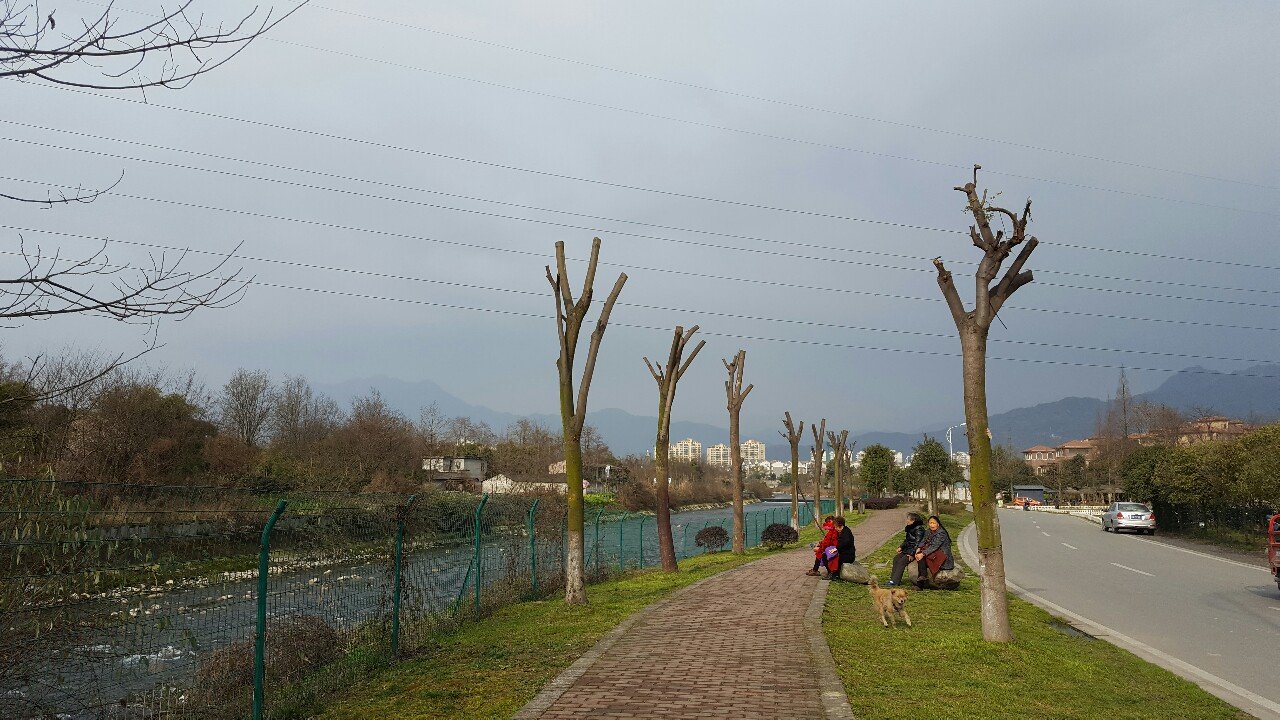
830	539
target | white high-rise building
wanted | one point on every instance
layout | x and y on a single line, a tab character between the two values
688	449
718	455
752	453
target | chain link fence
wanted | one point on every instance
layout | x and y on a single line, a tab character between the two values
131	601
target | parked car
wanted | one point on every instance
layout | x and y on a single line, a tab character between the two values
1129	516
1273	548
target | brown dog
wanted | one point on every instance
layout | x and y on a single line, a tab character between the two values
889	603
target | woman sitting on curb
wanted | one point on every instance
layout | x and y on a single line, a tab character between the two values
830	539
933	552
907	550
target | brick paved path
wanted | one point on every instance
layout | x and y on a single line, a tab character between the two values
736	645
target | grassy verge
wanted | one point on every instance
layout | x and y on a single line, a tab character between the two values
1226	538
941	668
491	668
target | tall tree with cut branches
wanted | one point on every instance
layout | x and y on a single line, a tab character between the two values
973	327
794	434
667	378
734	396
570	315
840	445
816	451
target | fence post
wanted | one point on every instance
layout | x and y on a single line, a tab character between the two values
260	638
597	540
477	559
642	517
533	546
395	590
622	526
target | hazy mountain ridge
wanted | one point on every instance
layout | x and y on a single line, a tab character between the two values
1253	393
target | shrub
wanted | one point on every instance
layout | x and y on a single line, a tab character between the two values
881	503
778	535
758	489
712	537
296	646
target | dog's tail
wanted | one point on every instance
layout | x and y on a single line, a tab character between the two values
873	584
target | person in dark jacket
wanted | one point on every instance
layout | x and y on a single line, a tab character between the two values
934	551
907	550
845	544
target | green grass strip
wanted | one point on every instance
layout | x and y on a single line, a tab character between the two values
942	668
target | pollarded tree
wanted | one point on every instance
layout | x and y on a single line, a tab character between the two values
570	316
794	434
973	327
839	446
667	378
734	396
816	451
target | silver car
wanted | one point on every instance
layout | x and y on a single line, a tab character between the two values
1129	516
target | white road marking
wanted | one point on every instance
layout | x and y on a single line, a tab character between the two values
1203	555
1126	567
1224	689
1073	547
1045	534
1193	552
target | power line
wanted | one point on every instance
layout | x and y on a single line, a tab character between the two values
398	186
762	134
758	251
735	336
795	105
457	243
621	186
642	306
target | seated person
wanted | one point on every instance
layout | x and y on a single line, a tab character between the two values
828	540
933	552
907	550
845	545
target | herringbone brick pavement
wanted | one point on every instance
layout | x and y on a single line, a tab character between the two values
733	646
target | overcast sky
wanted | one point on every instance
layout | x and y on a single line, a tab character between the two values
1175	106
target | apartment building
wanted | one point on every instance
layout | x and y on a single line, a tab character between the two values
688	450
718	455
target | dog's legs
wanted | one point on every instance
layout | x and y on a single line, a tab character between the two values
906	617
883	619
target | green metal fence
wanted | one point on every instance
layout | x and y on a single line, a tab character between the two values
128	601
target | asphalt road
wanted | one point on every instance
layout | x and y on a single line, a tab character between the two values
1197	612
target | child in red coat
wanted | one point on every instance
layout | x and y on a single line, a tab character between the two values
830	539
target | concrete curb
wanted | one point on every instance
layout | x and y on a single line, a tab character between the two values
1225	690
835	704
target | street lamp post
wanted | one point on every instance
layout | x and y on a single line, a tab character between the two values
951	451
950	448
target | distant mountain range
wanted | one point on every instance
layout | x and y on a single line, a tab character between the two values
1253	394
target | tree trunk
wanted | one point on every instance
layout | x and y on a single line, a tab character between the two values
817	489
575	584
661	461
735	469
839	489
795	486
995	600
